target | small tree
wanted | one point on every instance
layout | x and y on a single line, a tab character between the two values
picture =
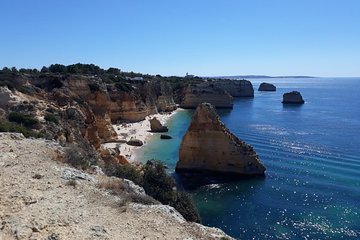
157	183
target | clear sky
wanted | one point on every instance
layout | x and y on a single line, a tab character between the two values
202	37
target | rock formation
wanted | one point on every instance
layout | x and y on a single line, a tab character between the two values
293	97
267	87
208	146
156	126
135	142
7	98
194	95
236	88
164	136
144	99
43	198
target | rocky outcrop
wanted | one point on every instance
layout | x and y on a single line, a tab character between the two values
42	198
267	87
140	100
135	142
156	126
208	146
7	98
236	88
194	95
164	136
293	97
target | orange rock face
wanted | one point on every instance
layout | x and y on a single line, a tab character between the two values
208	146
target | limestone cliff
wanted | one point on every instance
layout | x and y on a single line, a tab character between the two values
142	100
208	146
194	95
236	88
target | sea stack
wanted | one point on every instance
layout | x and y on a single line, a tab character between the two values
209	147
293	97
267	87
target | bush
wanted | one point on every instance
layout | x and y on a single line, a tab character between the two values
76	157
13	127
23	119
51	118
185	205
157	183
126	171
94	87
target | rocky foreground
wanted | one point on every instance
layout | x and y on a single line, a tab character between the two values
43	198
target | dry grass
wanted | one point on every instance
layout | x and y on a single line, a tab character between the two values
119	188
115	185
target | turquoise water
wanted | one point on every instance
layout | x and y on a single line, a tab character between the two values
312	154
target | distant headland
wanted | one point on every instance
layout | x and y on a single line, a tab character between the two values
261	76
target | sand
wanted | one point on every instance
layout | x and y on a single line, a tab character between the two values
138	130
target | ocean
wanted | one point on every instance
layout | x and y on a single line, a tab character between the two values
312	155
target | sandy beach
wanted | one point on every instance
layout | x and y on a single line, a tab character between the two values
138	130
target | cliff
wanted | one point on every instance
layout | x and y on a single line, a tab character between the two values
236	88
140	100
208	146
194	95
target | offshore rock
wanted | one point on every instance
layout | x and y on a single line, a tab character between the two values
164	136
209	147
194	95
156	126
293	97
267	87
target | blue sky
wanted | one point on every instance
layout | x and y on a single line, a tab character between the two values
202	37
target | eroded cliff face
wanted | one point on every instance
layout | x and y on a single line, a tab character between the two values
143	100
236	88
208	146
194	95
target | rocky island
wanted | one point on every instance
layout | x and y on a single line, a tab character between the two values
293	97
267	87
208	146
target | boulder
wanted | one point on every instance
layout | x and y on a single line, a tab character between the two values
135	142
163	136
209	147
267	87
7	98
156	126
293	97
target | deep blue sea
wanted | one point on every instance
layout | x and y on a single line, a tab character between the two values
312	155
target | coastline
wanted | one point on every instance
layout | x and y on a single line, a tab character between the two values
137	130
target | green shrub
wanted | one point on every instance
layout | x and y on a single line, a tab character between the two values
13	127
184	204
94	87
76	157
157	183
126	171
22	119
122	86
51	118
